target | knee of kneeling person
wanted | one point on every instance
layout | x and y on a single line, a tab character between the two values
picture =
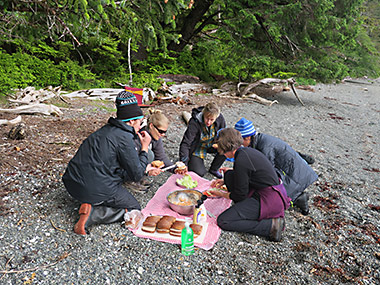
222	223
133	207
197	171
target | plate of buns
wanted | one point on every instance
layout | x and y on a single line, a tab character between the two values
169	227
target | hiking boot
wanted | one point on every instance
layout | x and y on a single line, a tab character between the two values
308	158
216	173
278	226
302	203
84	214
136	187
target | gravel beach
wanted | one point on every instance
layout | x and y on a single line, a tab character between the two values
338	242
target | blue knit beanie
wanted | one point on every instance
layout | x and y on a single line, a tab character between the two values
245	127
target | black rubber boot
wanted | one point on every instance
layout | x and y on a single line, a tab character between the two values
278	226
302	203
308	158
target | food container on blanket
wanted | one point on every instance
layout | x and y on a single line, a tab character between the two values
184	201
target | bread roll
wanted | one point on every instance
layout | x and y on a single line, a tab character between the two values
148	229
165	224
150	224
197	229
152	220
157	163
178	225
180	165
176	228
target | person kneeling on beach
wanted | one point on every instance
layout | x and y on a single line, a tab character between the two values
197	141
106	159
253	184
157	126
291	166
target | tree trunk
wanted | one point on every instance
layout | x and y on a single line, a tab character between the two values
188	28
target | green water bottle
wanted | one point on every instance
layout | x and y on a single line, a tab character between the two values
187	240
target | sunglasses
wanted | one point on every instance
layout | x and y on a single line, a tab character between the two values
162	132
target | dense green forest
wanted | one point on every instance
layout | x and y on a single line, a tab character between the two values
81	44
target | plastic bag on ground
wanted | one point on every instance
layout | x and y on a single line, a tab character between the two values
133	219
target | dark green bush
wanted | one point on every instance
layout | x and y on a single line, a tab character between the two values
19	70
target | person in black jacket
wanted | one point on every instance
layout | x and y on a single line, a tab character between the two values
106	159
259	196
199	137
293	170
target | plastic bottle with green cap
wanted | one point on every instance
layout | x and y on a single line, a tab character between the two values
187	240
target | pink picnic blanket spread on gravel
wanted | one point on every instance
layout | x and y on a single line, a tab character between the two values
158	205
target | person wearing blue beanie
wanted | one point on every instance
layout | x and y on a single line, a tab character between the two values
245	128
290	165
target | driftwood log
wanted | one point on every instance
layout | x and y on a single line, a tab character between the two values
43	109
250	97
186	116
261	100
251	86
14	121
31	102
95	94
179	78
357	81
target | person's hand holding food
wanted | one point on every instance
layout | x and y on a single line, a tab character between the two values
154	168
181	168
219	193
217	183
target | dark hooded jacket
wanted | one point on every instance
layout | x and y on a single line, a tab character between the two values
192	136
105	160
295	173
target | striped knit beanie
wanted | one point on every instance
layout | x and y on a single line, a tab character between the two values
127	108
245	127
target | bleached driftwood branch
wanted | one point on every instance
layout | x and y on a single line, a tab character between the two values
35	108
261	100
14	121
96	93
186	116
31	100
252	96
266	81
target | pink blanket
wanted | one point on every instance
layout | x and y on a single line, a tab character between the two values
158	206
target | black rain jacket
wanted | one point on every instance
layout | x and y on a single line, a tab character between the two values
105	160
295	173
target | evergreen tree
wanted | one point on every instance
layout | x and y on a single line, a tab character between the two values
246	39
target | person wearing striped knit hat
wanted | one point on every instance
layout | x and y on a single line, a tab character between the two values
106	159
291	166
